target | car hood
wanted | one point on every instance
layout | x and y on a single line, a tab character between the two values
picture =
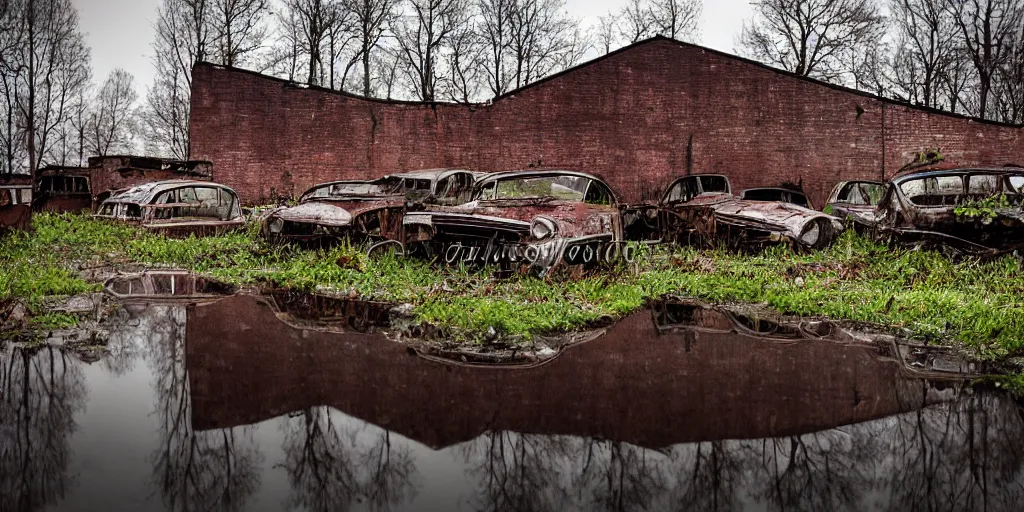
572	218
325	214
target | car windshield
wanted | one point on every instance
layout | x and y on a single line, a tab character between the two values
861	193
565	188
352	189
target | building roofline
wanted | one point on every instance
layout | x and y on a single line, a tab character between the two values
583	65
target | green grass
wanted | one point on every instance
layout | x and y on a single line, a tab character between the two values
977	304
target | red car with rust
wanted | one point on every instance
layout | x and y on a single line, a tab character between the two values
540	219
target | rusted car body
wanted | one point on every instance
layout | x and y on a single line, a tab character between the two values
15	207
975	210
539	219
777	194
62	190
364	210
701	210
854	199
176	208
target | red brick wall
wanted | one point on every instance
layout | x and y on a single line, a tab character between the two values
636	117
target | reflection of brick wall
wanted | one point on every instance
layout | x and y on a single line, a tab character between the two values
637	117
631	384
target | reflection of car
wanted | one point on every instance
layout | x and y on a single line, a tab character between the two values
15	207
775	194
853	200
700	209
534	218
364	210
969	209
176	207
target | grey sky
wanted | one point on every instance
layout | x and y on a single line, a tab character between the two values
120	31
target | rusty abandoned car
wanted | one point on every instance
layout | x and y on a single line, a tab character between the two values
364	210
701	210
970	210
176	207
15	207
539	219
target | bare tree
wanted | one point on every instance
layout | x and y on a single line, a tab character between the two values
495	33
311	24
1009	84
636	21
464	61
926	38
44	63
677	19
183	38
605	33
111	124
810	37
422	37
370	22
544	40
237	29
987	30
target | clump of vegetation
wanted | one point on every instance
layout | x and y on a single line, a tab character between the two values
920	293
985	210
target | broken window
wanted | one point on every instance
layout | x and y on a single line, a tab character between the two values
861	193
714	184
597	193
934	190
683	191
982	184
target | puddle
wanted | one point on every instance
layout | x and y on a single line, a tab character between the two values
221	405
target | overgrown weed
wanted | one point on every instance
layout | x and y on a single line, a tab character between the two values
921	293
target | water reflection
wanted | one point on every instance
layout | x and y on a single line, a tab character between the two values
249	413
331	464
41	393
214	470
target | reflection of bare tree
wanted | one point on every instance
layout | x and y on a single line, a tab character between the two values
828	470
966	455
707	476
331	467
41	391
321	477
212	470
391	471
519	471
618	476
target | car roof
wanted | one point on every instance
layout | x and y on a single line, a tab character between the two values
145	192
539	173
781	189
958	171
428	174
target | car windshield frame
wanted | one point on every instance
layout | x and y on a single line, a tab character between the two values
353	189
492	190
951	189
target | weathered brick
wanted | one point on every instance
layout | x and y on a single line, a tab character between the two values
638	117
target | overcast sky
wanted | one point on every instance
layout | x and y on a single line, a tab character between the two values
120	32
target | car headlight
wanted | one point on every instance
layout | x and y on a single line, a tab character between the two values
276	225
543	228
